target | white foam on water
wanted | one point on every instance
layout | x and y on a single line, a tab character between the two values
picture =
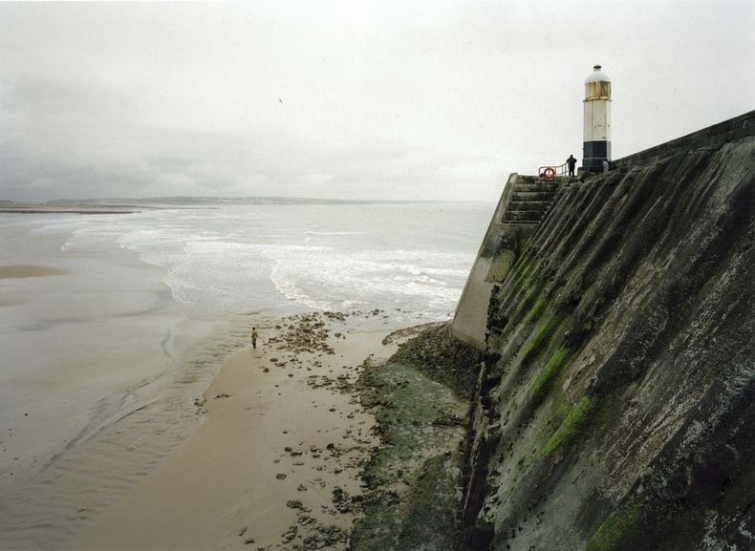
247	258
236	261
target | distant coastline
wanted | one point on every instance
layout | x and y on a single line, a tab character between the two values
29	208
127	206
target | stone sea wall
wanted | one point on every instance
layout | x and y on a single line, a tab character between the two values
615	409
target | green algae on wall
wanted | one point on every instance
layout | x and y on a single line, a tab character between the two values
550	372
617	527
572	427
542	336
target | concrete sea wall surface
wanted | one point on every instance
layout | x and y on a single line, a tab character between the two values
615	409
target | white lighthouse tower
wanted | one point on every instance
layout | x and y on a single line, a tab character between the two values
597	135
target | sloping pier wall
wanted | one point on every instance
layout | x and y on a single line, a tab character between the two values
615	408
524	203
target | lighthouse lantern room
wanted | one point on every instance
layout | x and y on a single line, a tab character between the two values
597	132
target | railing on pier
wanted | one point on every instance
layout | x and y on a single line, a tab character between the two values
549	172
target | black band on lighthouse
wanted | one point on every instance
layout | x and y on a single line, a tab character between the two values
594	153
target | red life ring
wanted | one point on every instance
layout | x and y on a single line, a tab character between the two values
549	173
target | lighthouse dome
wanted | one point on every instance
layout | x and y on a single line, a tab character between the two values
597	76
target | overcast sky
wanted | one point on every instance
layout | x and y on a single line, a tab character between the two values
348	100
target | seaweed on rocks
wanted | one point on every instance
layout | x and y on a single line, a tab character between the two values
413	478
441	357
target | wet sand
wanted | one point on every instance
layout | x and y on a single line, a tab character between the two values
133	421
37	208
20	271
275	464
98	371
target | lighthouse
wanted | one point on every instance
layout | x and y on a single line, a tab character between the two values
597	135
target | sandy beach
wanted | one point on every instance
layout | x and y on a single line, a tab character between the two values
135	413
275	463
92	398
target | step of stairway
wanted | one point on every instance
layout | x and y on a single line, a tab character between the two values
519	215
545	196
529	204
545	185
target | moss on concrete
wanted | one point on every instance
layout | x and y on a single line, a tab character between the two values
537	309
537	342
572	427
616	529
524	308
523	269
550	372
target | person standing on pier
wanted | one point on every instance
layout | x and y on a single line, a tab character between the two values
572	162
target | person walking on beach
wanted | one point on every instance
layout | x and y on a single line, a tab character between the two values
254	338
571	161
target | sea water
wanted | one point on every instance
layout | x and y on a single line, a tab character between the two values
285	258
120	323
412	258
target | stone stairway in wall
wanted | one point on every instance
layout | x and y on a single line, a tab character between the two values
524	204
531	198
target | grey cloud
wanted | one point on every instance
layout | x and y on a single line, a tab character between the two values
348	99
